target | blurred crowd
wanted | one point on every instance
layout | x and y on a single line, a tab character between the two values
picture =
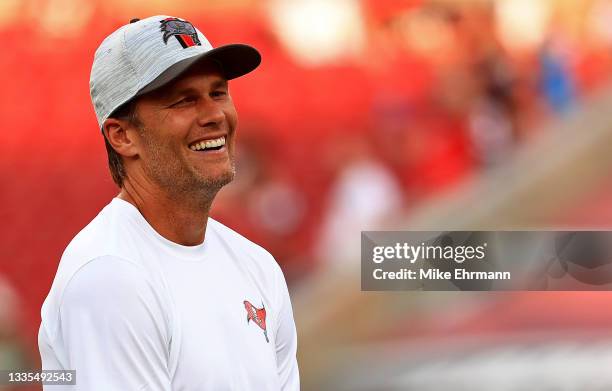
436	91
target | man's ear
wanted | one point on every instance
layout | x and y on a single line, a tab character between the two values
121	136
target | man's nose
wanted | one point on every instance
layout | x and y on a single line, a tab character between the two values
210	113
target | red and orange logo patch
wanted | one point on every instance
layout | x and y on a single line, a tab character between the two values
257	315
184	32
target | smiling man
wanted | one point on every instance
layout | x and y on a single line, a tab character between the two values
153	294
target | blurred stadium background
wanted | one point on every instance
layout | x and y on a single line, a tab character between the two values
365	114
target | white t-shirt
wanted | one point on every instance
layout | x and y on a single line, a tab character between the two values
131	310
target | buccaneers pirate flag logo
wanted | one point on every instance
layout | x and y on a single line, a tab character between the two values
184	32
257	315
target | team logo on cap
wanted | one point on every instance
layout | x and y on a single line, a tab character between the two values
184	32
257	315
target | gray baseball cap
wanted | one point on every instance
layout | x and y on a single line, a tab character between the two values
146	54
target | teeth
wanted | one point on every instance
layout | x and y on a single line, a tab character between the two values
208	144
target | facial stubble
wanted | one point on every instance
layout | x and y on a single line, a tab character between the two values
169	170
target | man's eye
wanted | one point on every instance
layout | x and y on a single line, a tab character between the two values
218	93
184	102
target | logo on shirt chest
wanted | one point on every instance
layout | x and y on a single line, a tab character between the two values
257	315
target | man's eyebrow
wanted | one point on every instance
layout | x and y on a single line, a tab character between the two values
220	83
181	91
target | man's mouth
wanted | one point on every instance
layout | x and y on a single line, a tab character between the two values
208	145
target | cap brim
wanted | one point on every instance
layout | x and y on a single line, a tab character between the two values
235	60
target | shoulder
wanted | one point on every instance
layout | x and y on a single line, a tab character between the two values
239	243
252	257
106	277
103	286
108	239
111	284
100	237
256	258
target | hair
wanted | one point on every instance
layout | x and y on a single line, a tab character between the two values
125	112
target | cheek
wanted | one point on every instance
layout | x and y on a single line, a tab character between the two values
156	146
150	149
231	115
232	123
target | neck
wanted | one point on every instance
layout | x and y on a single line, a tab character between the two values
177	217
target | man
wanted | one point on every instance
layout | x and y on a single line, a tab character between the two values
153	294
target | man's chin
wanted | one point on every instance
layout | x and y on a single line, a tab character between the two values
215	183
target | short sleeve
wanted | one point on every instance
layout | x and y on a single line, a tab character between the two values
286	339
113	329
